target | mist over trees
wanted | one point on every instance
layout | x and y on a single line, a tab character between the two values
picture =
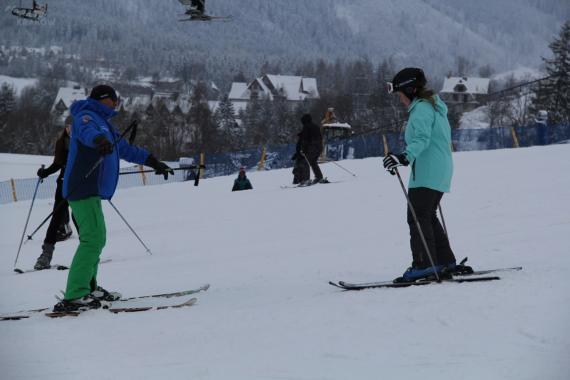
144	35
352	48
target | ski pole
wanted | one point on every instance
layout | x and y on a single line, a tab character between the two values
417	224
443	220
197	178
131	228
346	170
174	169
40	180
62	202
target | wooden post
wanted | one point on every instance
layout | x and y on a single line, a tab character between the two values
261	165
141	168
515	138
13	183
202	163
385	140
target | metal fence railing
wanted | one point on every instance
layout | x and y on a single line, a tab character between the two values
275	157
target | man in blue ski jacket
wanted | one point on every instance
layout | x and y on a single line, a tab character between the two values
86	183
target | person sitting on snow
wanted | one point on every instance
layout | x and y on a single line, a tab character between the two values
242	182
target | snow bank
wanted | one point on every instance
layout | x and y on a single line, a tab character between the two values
268	254
18	84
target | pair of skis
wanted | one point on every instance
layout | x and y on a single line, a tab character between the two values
126	305
476	276
308	184
53	266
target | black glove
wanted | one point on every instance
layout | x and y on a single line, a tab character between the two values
103	145
158	166
43	173
295	157
392	161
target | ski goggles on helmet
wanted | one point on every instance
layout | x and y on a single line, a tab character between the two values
393	87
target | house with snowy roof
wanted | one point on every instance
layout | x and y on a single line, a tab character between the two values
63	101
294	89
465	93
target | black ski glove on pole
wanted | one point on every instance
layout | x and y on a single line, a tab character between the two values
103	145
43	172
158	166
392	161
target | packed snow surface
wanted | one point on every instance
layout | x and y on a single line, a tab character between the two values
268	255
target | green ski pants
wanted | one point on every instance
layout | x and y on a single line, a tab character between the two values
82	277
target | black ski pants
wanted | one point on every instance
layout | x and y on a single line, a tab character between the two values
312	156
425	202
60	215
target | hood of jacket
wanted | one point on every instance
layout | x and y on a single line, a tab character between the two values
440	106
93	106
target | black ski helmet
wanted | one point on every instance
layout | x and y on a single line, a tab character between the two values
407	79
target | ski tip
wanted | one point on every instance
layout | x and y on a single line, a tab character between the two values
14	317
336	285
190	302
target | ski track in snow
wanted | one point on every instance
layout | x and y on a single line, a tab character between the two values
268	255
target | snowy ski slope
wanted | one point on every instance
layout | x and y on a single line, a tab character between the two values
269	253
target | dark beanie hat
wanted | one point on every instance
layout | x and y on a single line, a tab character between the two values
103	91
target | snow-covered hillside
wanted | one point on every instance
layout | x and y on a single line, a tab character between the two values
269	253
17	84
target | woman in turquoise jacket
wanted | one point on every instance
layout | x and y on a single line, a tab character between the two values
428	151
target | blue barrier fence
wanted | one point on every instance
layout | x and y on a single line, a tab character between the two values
277	157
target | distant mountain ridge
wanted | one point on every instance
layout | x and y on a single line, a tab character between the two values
427	33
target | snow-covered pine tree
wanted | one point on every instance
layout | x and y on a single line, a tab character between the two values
7	106
553	95
200	117
229	131
281	126
254	120
7	100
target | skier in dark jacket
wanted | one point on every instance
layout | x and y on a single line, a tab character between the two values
94	140
60	218
309	148
242	182
428	151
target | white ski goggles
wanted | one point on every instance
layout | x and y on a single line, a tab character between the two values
390	88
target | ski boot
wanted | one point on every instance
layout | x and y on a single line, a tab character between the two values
44	261
77	305
101	294
459	269
414	274
64	232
